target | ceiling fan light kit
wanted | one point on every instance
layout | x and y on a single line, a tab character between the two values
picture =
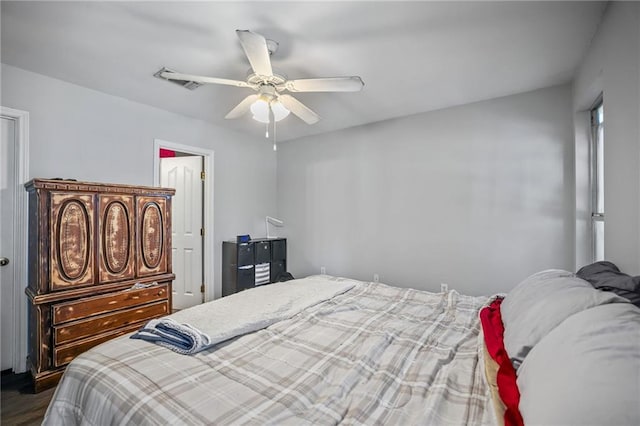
261	113
266	104
270	104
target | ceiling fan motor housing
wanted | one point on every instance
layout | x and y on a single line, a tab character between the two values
276	79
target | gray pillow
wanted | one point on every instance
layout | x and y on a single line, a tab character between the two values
586	371
542	301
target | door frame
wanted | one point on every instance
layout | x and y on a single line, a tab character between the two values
20	246
208	249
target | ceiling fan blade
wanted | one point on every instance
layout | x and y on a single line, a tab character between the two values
329	84
299	109
170	75
242	107
255	47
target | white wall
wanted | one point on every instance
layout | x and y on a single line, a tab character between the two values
612	67
83	134
477	196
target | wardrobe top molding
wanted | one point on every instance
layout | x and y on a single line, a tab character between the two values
72	185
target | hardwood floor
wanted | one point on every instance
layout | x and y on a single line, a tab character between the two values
19	405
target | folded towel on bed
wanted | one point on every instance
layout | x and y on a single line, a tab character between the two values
181	338
240	313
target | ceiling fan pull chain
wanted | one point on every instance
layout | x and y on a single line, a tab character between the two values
271	120
266	133
275	148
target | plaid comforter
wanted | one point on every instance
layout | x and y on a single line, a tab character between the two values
373	355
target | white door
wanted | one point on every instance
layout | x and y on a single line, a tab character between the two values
184	174
6	243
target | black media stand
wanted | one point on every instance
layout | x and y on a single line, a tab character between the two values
250	264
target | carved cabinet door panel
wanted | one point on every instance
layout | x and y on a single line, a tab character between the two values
71	240
116	237
153	241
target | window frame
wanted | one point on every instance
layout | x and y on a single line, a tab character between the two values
596	175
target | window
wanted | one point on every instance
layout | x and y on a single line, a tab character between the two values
597	180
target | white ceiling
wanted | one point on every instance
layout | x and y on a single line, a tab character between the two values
413	56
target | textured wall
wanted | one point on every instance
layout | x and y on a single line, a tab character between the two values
477	196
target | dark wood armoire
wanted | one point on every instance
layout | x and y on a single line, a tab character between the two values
99	267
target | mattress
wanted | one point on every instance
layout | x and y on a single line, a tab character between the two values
372	354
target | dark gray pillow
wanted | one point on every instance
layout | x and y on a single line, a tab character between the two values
606	276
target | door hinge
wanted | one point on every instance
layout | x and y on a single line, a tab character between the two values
202	288
202	175
202	231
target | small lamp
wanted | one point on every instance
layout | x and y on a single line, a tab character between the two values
272	220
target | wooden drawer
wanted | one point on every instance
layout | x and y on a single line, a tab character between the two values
66	353
96	305
102	323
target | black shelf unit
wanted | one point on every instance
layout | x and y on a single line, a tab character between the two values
256	262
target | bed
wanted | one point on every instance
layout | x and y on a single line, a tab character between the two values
328	350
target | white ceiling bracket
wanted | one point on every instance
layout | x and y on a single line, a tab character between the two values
272	46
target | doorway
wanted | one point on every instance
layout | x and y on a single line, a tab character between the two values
14	166
7	256
185	173
190	171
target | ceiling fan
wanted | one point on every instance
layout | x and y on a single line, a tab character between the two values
270	103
